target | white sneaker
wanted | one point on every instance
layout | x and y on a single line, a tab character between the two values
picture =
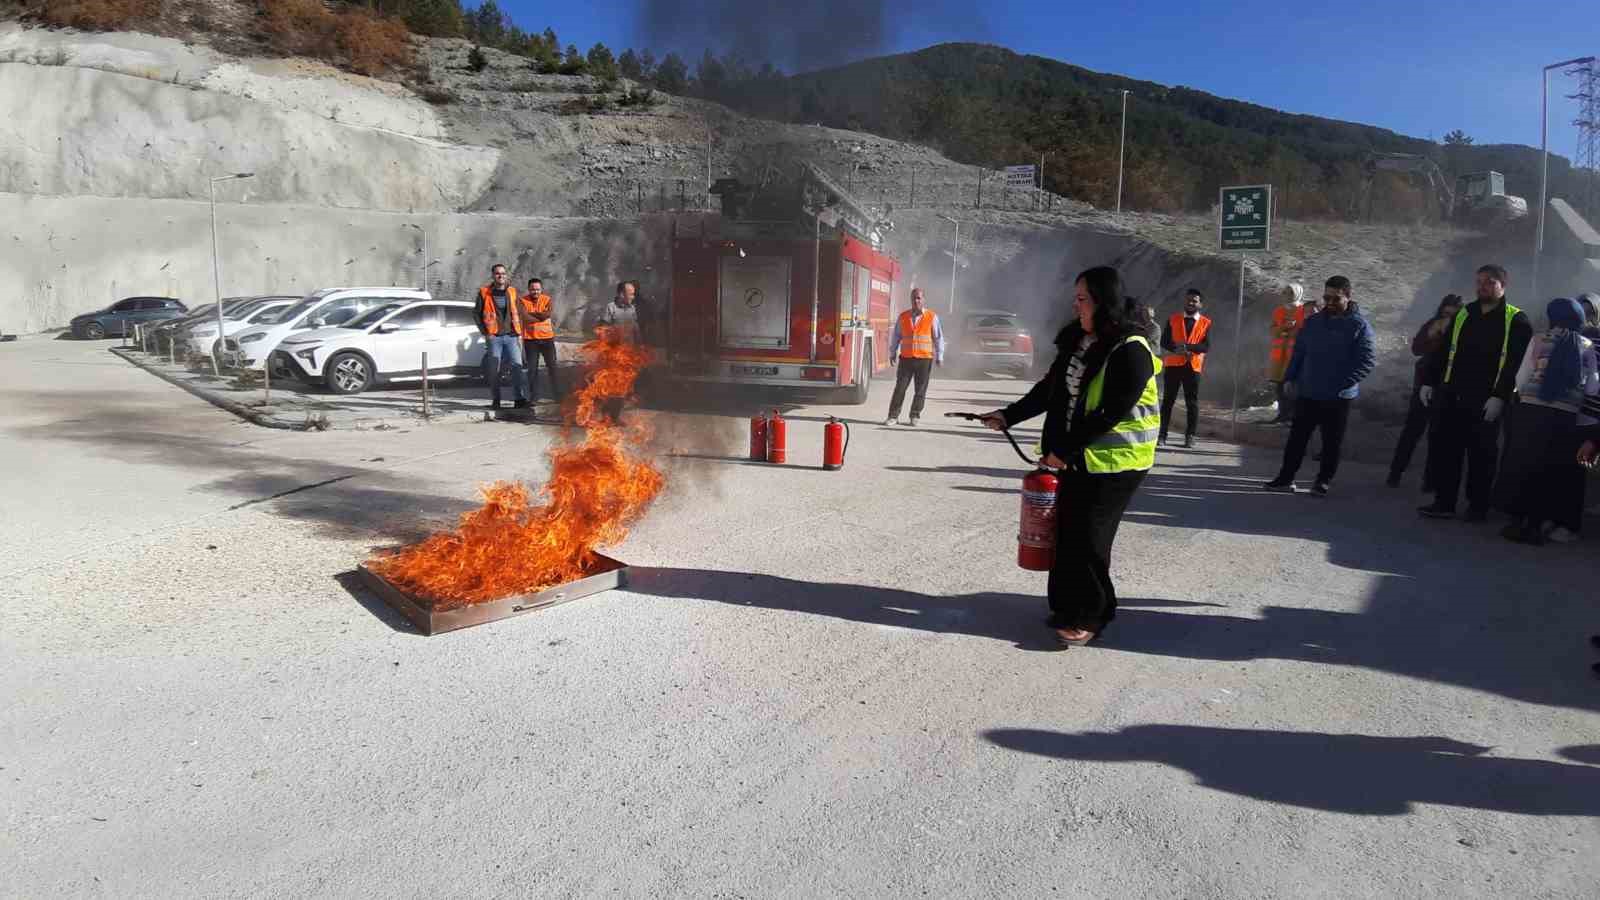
892	420
913	422
1562	535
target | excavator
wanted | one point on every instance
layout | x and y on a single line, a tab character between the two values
1479	199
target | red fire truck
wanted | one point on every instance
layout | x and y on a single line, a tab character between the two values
764	302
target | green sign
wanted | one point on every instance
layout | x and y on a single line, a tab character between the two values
1245	219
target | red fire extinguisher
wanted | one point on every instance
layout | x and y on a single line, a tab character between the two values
1036	537
777	439
758	437
835	441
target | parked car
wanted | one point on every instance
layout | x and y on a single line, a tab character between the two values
120	317
993	340
201	335
161	333
386	344
329	306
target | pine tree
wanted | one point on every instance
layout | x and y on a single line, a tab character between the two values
628	65
601	64
672	75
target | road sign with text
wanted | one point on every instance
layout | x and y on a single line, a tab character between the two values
1020	176
1245	219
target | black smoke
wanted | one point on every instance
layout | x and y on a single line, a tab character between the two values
795	37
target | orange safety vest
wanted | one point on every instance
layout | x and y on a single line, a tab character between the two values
1286	325
1179	324
491	321
916	340
534	329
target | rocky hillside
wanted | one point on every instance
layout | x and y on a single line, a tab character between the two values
109	140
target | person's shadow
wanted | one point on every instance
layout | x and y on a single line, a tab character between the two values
1350	773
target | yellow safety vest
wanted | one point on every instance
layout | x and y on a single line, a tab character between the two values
1505	341
1130	446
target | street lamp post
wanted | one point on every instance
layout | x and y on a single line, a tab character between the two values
955	248
1122	144
1544	152
216	267
424	232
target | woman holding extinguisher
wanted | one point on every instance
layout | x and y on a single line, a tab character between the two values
1102	417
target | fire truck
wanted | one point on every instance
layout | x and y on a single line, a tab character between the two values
788	288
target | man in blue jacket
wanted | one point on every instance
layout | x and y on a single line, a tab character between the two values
1332	356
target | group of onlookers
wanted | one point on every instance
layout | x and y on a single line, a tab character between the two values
1481	371
520	330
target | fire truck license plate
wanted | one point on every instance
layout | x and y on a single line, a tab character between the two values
755	370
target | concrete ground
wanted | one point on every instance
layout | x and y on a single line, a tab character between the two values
819	683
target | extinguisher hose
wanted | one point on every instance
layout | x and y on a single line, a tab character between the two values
843	451
974	417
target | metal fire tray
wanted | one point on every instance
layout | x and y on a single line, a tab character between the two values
608	573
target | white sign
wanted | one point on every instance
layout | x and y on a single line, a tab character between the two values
1020	176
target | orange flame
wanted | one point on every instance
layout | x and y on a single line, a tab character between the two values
597	490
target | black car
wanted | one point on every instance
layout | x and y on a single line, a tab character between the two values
120	317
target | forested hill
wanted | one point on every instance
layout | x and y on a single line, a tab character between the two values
987	105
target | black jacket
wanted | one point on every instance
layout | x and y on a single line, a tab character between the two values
1478	352
1067	432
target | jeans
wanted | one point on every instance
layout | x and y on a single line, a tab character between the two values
1188	380
504	351
917	370
532	352
1332	416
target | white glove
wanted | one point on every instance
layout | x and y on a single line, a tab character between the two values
1425	395
1491	409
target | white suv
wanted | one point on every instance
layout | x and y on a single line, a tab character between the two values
387	343
202	335
329	306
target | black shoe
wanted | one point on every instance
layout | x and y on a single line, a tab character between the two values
494	404
1594	641
1595	668
1476	515
520	404
1188	442
1435	511
1280	486
1162	440
1393	480
1319	489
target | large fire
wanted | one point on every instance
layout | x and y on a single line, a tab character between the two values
597	489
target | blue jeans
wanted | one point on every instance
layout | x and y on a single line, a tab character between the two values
505	351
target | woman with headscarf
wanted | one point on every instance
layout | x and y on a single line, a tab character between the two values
1102	416
1558	371
1287	320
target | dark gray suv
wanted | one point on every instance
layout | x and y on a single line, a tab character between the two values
120	317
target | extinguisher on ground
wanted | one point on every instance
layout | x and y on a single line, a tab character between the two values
758	438
777	439
835	441
1036	535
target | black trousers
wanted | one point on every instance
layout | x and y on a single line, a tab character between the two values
1188	380
1089	509
1541	453
1458	434
910	369
1416	426
1331	416
532	352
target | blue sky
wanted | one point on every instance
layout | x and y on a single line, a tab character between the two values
1418	68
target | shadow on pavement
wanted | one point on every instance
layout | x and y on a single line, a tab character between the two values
1348	773
1006	617
383	612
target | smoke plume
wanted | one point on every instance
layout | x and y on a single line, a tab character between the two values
792	36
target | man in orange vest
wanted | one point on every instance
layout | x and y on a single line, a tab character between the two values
916	346
500	320
1287	320
1186	339
539	338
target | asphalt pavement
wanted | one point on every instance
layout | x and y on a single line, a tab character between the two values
818	683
